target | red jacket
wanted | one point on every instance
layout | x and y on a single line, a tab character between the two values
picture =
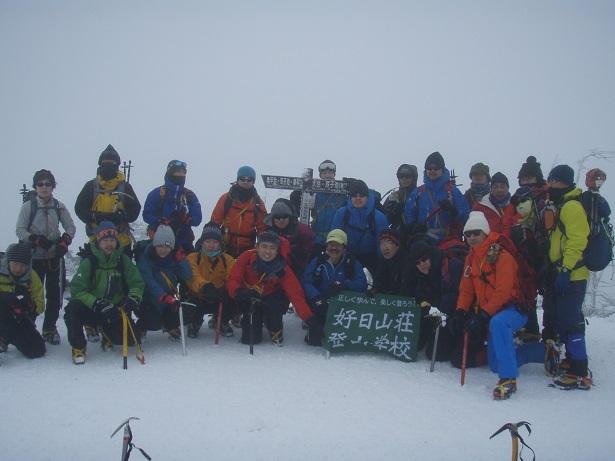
500	219
244	275
490	285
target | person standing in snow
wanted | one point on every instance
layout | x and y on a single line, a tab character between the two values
479	185
496	206
39	224
325	206
174	205
393	207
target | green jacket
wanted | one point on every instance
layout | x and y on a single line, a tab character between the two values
569	238
107	282
30	280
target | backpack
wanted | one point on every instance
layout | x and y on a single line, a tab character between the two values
451	249
598	253
34	208
86	253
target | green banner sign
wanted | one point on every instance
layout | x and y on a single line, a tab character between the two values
380	323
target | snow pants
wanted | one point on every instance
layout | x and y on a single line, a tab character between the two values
270	312
151	318
21	333
50	271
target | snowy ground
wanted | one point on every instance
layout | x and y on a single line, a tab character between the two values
220	403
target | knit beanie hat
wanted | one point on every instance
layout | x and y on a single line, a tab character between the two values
531	168
435	159
211	231
106	229
109	154
19	253
407	170
479	169
392	235
326	165
562	173
164	236
280	209
176	165
420	250
338	236
499	178
477	221
268	237
42	175
358	187
246	171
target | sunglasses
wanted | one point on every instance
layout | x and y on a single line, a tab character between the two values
44	184
472	233
246	179
281	217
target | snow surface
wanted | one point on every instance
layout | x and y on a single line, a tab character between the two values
290	402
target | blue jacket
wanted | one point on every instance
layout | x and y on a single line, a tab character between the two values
180	209
151	267
426	198
362	230
325	206
320	275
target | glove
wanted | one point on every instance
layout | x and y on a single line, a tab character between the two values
40	241
105	308
477	324
562	281
447	206
131	304
457	322
211	294
180	254
315	321
118	217
62	245
334	289
319	305
244	294
169	300
21	306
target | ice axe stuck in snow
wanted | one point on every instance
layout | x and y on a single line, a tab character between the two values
516	438
439	318
127	444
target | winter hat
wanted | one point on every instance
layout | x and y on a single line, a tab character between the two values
280	209
478	169
211	231
246	171
593	175
531	168
358	187
268	237
109	154
19	253
176	165
499	178
477	221
407	170
338	236
106	229
326	165
562	173
420	250
435	158
41	175
164	236
392	235
521	195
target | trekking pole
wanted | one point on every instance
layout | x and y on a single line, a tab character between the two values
218	323
252	302
464	358
124	338
516	438
181	328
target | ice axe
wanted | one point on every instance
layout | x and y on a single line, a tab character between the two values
127	444
440	318
181	321
516	438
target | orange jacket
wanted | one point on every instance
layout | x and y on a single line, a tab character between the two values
490	286
204	270
245	275
241	223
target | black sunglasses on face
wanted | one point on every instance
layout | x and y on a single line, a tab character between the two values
472	233
44	184
246	179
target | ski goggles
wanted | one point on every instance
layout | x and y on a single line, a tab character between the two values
177	164
326	166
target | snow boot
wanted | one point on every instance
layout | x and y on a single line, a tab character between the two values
211	323
505	388
51	336
569	382
226	330
193	330
78	356
106	344
552	358
236	321
92	334
174	334
3	345
277	337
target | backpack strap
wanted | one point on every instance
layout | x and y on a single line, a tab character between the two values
34	209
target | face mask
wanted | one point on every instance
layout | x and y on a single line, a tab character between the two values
178	180
108	171
556	194
599	183
524	208
213	253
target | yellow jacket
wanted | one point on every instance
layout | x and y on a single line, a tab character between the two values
569	238
206	270
30	280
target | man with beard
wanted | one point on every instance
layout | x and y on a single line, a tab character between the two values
174	205
108	197
240	213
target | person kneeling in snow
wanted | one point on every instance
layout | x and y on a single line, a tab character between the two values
162	268
106	281
325	276
490	284
21	299
262	283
